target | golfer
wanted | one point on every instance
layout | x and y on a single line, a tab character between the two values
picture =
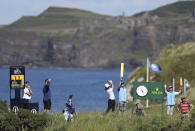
109	87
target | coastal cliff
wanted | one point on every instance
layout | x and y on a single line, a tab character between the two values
78	39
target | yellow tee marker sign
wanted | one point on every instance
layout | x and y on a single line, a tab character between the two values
122	70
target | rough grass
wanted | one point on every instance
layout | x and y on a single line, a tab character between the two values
96	121
153	121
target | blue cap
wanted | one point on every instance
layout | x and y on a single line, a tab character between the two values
182	97
46	79
170	87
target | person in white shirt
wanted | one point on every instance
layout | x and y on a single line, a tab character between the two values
27	92
109	87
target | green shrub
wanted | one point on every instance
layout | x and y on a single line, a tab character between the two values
3	106
9	122
23	120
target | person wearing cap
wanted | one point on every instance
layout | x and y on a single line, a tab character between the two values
122	97
109	87
47	96
27	92
139	108
184	107
170	99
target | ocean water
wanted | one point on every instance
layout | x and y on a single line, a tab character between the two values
87	87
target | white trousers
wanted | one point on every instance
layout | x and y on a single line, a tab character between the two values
170	109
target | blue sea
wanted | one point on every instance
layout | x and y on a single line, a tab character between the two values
87	87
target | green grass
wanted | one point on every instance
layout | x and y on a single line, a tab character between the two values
175	9
60	11
97	121
153	121
55	18
173	14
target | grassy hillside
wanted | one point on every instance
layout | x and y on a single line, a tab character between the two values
175	61
176	13
176	9
67	19
55	18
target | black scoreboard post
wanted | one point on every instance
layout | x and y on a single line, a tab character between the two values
17	83
17	79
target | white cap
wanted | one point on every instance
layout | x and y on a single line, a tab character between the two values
107	85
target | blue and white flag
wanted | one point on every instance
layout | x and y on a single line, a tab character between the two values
155	67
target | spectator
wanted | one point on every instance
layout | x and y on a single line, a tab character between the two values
47	96
139	109
170	99
184	107
122	97
27	92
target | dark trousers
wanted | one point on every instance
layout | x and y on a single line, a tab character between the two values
26	103
111	105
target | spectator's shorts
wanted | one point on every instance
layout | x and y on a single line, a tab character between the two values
47	104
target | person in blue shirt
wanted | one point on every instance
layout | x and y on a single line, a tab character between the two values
122	97
47	96
170	99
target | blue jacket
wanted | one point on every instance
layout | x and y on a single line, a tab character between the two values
46	92
122	94
170	98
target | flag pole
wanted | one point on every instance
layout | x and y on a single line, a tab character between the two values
173	84
184	86
147	79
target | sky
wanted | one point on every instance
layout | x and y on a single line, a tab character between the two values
12	10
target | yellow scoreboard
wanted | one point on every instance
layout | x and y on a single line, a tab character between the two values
17	77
